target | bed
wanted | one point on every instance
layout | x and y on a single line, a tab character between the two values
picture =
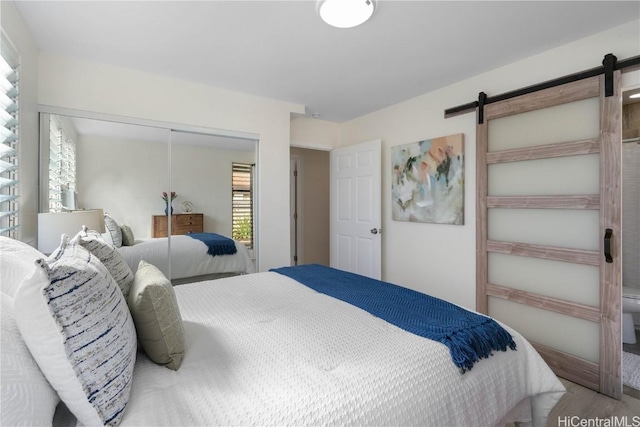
192	259
269	349
189	258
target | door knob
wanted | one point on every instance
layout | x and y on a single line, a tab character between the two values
374	231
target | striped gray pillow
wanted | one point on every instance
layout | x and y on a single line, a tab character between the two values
114	230
109	256
78	327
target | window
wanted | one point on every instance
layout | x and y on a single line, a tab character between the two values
242	203
62	167
9	139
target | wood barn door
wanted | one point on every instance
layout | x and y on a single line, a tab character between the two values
548	216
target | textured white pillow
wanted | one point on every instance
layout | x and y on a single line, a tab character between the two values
77	326
113	228
16	263
27	396
109	256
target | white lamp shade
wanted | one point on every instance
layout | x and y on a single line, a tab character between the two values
345	13
52	225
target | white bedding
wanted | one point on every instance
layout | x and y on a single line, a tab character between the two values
189	257
261	349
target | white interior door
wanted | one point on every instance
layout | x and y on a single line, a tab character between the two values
355	219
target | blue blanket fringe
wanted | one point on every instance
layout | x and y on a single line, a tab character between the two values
216	244
469	336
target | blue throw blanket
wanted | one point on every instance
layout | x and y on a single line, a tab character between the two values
216	244
469	336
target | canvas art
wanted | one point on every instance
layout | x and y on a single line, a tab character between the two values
428	181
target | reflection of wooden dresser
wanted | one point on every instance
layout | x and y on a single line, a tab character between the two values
180	224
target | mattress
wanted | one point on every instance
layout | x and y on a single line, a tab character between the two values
189	257
262	349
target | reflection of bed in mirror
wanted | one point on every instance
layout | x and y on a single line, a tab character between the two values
190	261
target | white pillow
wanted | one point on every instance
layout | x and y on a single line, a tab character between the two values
16	263
27	396
113	229
109	256
77	325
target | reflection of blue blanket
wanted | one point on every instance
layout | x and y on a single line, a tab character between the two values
216	244
469	336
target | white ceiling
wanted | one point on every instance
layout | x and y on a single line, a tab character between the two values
282	50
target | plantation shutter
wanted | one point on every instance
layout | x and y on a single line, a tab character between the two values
242	203
9	139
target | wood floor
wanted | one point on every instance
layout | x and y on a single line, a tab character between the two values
587	404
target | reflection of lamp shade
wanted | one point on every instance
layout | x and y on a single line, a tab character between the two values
52	225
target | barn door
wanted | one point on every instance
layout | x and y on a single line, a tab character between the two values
548	226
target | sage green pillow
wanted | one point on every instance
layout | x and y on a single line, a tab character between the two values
127	235
156	314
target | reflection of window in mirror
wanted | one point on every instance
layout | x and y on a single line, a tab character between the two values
62	165
242	203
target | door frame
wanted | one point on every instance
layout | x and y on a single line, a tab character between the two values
296	184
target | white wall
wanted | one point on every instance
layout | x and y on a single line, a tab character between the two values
101	88
440	259
16	31
314	133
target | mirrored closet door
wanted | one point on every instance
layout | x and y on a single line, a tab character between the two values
131	171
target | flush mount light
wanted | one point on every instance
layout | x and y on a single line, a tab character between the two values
345	13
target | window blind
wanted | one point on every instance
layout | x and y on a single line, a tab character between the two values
242	203
62	167
9	138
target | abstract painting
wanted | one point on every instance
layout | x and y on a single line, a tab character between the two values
428	181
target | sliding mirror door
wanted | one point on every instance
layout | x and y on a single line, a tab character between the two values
213	225
158	185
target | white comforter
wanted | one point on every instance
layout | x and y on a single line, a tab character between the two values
261	349
189	257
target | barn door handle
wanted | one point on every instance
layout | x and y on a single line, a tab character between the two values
607	245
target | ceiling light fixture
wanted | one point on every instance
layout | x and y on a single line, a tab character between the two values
345	13
635	95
